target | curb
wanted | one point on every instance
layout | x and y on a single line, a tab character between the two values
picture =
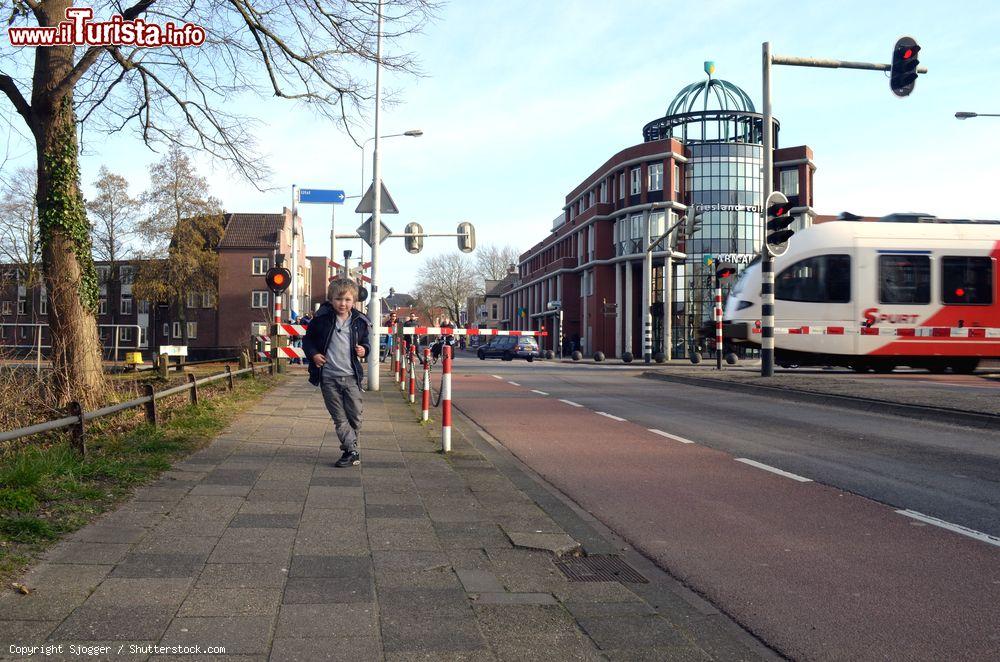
962	417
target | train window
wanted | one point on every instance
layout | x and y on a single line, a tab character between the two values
904	279
967	280
819	279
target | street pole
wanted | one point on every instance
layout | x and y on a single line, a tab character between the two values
332	270
294	303
766	261
668	305
647	295
374	314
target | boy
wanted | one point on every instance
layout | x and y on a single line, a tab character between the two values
336	340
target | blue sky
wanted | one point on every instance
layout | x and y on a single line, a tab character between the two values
522	100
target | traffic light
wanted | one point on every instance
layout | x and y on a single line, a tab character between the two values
903	75
412	239
778	219
724	270
466	237
278	279
693	223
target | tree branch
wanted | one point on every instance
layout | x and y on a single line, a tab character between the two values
10	88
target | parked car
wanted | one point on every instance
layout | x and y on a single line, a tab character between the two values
509	348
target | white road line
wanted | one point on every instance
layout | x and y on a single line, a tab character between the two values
496	377
955	528
570	402
539	392
670	436
773	470
604	413
513	383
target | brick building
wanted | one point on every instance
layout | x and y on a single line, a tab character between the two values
705	154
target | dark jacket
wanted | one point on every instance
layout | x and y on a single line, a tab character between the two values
317	339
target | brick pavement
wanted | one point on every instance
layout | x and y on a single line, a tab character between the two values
258	545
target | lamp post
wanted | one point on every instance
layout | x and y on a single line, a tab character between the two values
412	133
964	115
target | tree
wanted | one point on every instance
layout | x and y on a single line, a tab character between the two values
447	281
493	262
182	231
19	229
113	217
304	50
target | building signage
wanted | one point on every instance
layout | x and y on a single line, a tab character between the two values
734	258
756	209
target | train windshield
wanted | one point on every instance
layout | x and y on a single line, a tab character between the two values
742	280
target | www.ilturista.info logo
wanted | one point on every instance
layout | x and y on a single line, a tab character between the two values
79	30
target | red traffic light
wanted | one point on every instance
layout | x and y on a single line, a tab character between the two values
959	292
278	279
908	54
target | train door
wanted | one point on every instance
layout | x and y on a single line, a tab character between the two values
813	300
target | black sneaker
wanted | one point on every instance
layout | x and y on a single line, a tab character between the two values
348	459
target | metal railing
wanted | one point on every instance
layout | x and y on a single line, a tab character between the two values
37	345
78	416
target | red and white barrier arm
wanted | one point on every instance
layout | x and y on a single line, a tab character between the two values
449	331
890	331
446	401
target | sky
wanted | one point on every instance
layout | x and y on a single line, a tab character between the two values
522	100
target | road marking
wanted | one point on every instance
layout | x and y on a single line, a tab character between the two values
670	436
513	383
956	528
604	413
539	392
773	470
496	376
570	402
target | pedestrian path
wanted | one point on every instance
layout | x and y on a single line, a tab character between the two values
257	548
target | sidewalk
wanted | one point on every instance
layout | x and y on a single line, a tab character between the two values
258	545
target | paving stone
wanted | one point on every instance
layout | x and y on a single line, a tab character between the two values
514	599
503	620
153	592
404	534
114	623
278	494
575	648
478	655
324	518
479	581
310	621
240	635
559	544
607	609
220	490
597	592
330	566
389	511
194	507
425	635
159	565
628	630
23	633
340	479
360	649
191	527
253	546
96	553
436	603
328	590
471	559
159	542
109	534
232	477
264	521
166	494
475	535
271	508
231	602
679	653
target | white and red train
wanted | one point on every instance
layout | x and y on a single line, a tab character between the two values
876	295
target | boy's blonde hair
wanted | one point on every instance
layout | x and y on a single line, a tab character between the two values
340	286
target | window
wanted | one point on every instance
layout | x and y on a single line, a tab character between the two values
166	329
177	330
126	273
208	300
604	191
6	308
637	226
43	302
635	181
260	266
192	329
24	332
126	308
904	279
790	181
125	334
656	227
493	311
22	307
102	306
192	299
258	299
677	178
103	273
621	186
819	279
967	280
143	307
590	199
655	177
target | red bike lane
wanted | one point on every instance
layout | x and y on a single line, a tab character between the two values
815	572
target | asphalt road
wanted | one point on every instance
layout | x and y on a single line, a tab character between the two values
826	569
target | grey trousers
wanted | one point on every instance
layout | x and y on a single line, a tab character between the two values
343	400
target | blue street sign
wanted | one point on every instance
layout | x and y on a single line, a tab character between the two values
321	196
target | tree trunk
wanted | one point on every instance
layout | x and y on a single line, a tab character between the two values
70	277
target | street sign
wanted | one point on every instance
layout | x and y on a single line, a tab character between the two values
321	196
365	231
367	204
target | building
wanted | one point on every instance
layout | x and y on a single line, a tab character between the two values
704	155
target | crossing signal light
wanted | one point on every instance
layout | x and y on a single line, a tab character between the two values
725	270
903	74
412	237
776	231
278	279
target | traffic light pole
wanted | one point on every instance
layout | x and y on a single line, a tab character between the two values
766	261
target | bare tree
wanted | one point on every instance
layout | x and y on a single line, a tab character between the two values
493	262
113	216
447	281
305	50
182	230
19	229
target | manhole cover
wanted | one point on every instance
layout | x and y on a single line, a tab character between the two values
600	568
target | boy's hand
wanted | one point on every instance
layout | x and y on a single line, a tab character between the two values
319	360
360	351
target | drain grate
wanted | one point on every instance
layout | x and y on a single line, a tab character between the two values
600	568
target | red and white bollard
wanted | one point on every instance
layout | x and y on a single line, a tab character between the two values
402	366
395	360
718	324
413	376
425	397
446	401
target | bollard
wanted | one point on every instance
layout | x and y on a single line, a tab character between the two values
147	391
395	360
718	324
413	376
446	400
425	398
229	378
244	360
402	367
192	380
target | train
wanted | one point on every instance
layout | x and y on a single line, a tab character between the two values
874	296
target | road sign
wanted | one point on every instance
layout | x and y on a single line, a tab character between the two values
365	231
321	196
367	204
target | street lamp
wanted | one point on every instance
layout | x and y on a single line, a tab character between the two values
412	133
964	115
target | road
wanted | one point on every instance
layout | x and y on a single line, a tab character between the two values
826	569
